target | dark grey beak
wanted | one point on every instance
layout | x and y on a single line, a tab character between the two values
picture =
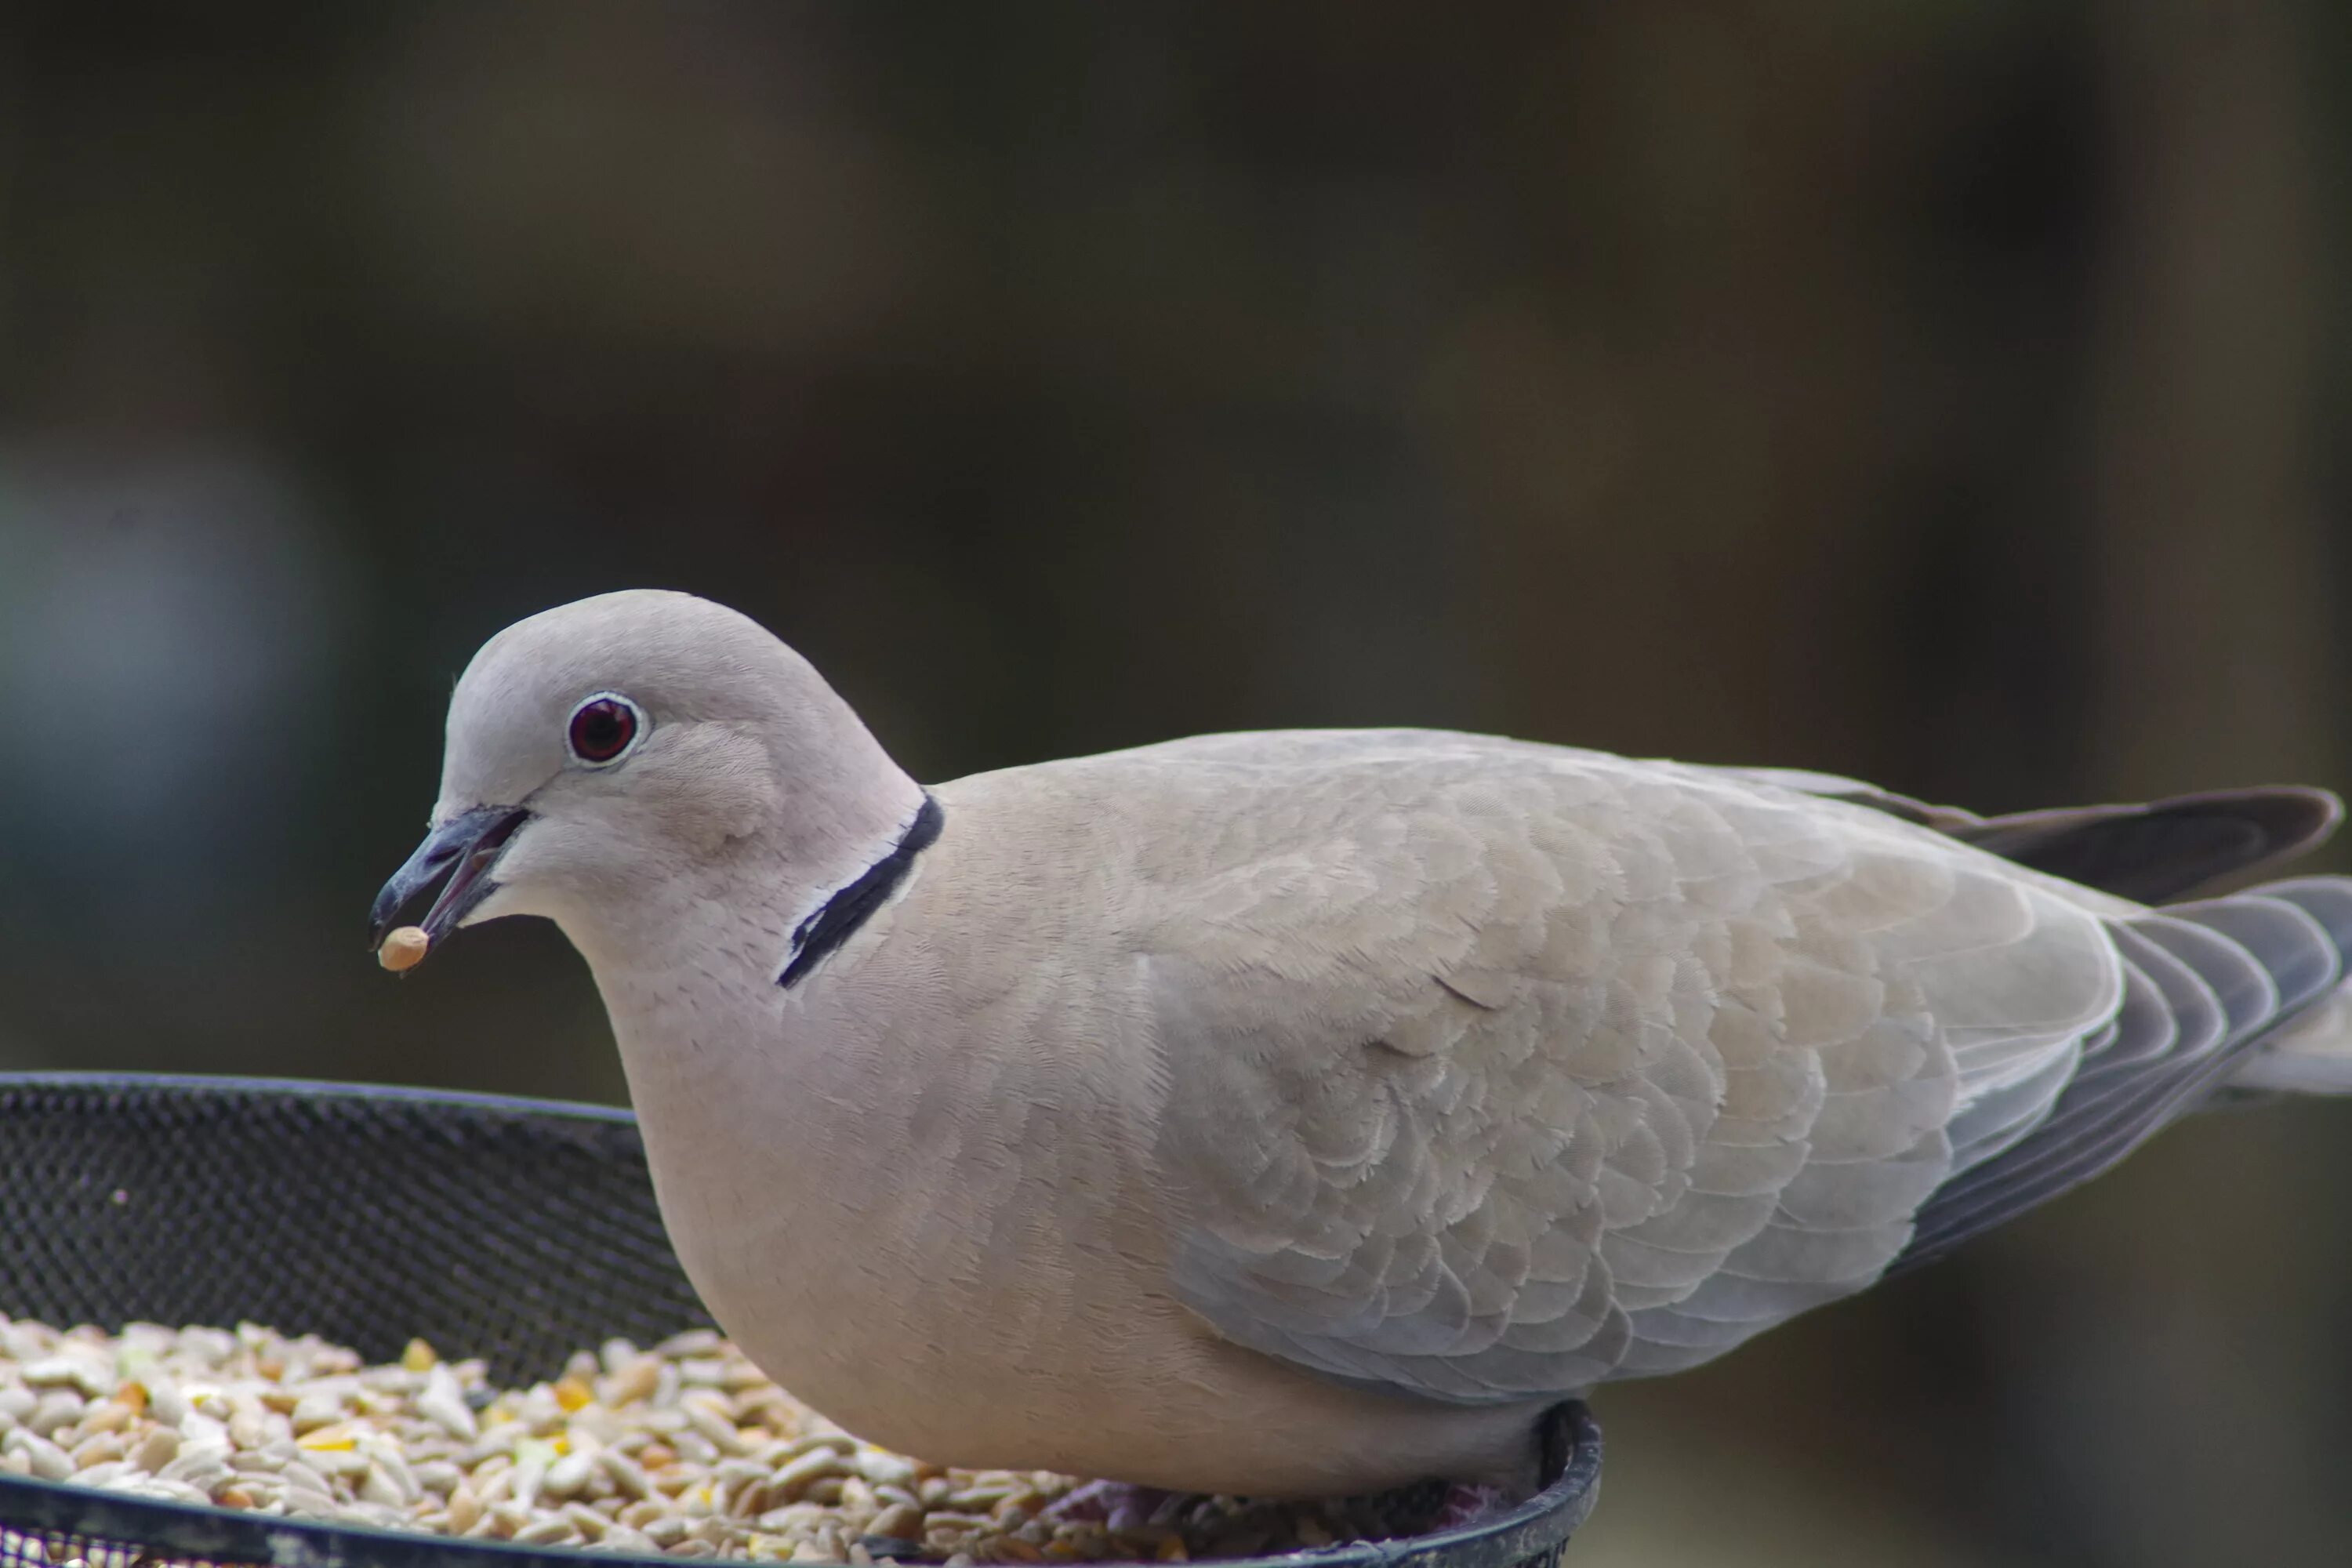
464	848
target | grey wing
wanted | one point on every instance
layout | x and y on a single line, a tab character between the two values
1492	1079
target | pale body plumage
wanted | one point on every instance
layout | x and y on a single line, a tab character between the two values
1298	1113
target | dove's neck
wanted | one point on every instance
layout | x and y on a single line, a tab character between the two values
844	809
707	964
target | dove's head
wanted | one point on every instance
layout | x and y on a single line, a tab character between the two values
601	753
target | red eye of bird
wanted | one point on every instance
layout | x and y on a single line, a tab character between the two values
602	729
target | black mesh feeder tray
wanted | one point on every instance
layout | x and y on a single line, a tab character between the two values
514	1230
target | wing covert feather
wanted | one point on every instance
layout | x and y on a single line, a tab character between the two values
1495	1071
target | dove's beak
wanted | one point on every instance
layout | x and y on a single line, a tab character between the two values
464	848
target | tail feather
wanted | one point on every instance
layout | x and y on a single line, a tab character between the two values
2311	1054
2165	849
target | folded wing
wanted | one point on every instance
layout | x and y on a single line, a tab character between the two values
1495	1071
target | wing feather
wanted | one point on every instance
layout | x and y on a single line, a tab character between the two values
1495	1069
1497	1073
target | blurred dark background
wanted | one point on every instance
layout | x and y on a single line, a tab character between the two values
1946	394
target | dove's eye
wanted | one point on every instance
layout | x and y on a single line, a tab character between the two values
603	727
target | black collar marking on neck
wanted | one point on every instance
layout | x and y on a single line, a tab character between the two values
836	920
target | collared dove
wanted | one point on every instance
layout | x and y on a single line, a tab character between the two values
1303	1112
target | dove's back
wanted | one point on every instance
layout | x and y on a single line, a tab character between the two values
1300	1109
1518	1069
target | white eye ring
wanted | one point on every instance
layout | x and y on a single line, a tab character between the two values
603	729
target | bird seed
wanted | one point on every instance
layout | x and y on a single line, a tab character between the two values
683	1449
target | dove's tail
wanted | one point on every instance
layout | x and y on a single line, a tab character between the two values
2312	1052
2310	1056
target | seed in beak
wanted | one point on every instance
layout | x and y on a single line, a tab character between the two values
404	948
